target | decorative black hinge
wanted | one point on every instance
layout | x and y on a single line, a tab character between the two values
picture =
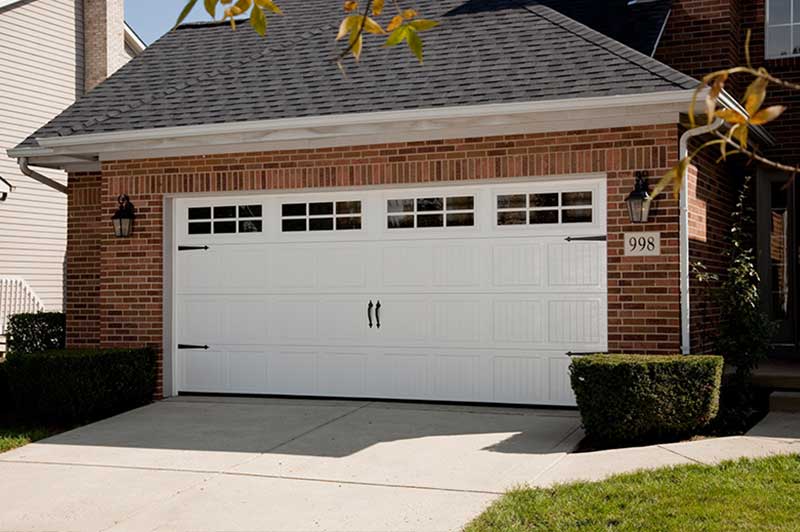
192	248
601	238
191	346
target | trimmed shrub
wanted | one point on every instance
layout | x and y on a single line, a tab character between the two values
635	399
67	387
4	398
32	333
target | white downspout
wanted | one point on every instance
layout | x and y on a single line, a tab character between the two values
686	343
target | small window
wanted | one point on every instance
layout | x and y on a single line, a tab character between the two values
321	216
549	208
782	29
440	211
225	219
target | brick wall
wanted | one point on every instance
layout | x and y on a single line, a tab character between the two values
84	230
644	306
713	188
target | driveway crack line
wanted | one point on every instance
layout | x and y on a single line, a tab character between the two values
210	475
696	461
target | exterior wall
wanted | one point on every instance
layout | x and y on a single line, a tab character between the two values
644	306
104	23
713	188
41	73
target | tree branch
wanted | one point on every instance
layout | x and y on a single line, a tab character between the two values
358	35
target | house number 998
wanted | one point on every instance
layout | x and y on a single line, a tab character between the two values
643	244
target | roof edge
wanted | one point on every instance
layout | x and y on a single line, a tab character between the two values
378	117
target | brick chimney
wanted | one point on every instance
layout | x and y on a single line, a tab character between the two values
103	40
702	36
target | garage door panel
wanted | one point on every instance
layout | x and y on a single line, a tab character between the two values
342	374
518	264
576	264
247	371
577	321
292	372
200	327
295	319
467	313
204	371
518	321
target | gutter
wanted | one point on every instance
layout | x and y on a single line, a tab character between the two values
291	128
686	342
36	176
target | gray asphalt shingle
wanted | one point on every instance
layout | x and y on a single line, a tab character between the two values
484	51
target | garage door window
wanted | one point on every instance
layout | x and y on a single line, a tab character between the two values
437	211
321	216
225	219
544	208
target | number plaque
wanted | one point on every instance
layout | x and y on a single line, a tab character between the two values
642	244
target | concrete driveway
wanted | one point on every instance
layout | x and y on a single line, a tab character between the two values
236	464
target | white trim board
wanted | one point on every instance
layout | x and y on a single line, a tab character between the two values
365	128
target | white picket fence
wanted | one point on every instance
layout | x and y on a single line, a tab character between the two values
16	297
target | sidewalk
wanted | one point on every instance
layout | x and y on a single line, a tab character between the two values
778	433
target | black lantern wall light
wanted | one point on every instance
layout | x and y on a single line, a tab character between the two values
123	218
639	200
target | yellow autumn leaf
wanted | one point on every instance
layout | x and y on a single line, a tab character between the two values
408	14
674	177
356	43
350	5
754	95
270	6
370	26
740	134
349	23
713	94
767	115
377	7
731	116
395	23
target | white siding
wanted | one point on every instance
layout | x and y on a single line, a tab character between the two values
41	73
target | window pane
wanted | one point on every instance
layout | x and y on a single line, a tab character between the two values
778	41
401	222
796	11
200	213
430	220
573	216
796	38
348	207
225	212
400	205
544	200
250	226
569	199
249	211
224	227
320	224
515	201
200	228
461	219
430	204
293	209
461	203
512	218
778	11
348	223
289	226
316	209
544	217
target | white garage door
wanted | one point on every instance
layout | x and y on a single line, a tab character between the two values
456	293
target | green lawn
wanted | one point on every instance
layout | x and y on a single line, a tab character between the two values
734	496
13	437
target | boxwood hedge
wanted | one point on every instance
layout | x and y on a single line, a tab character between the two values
635	399
71	386
31	333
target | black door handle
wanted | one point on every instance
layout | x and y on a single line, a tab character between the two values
378	314
369	314
192	346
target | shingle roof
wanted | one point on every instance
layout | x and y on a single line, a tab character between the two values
485	51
